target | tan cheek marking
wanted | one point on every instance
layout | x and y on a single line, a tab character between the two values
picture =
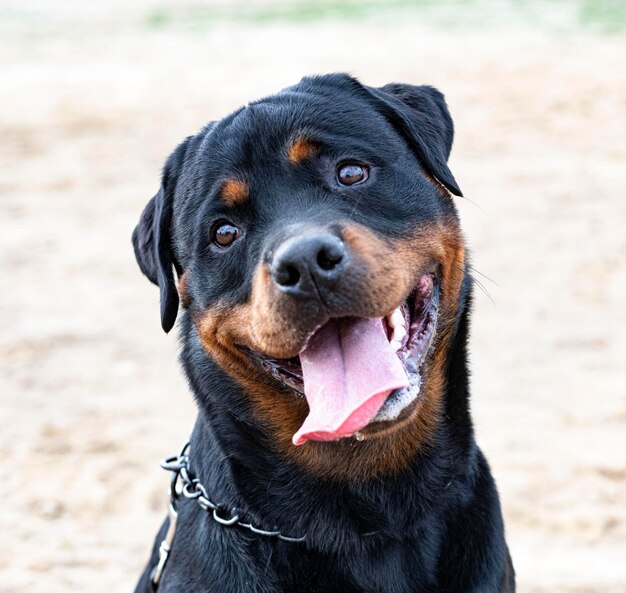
182	291
274	322
234	192
393	266
301	149
265	323
220	329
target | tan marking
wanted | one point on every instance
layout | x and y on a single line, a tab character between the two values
182	291
301	149
234	192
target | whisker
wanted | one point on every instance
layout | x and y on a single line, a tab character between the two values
482	288
479	283
473	203
354	208
484	275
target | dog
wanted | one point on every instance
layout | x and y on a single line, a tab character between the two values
311	242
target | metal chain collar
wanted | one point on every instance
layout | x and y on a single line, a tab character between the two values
184	484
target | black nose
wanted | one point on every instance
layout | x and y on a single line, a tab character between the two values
304	265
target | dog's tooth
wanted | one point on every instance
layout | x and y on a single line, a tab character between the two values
396	319
398	333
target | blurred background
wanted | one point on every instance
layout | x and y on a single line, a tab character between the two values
94	96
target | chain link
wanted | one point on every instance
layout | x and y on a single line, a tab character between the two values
186	485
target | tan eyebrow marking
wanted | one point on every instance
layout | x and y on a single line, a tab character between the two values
234	191
301	149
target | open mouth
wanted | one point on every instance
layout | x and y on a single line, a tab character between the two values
355	372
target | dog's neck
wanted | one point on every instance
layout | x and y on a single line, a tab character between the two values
240	468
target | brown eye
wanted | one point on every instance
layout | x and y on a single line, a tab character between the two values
352	173
225	234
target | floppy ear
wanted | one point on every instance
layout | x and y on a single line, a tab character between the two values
421	116
152	239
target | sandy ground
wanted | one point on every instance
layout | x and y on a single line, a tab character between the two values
92	397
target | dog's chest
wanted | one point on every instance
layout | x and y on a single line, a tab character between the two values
235	564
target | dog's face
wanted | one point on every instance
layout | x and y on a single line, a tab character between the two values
318	254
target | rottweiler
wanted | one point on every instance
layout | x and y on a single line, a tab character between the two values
311	242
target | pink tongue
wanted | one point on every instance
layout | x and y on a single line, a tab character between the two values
349	369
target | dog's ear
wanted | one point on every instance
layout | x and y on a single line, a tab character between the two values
421	116
152	239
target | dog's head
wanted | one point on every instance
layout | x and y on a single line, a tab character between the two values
318	254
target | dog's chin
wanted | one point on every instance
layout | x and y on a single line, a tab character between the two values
410	329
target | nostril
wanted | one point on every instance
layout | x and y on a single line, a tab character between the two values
287	275
328	257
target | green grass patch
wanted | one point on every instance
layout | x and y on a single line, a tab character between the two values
607	16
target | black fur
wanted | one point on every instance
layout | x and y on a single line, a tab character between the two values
436	525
